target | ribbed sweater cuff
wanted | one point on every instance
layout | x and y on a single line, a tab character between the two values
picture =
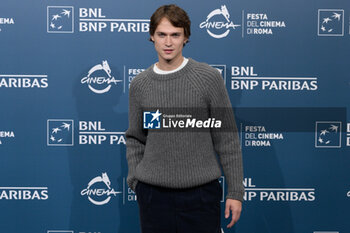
235	195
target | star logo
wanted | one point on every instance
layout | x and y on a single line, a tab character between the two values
60	19
151	120
328	134
60	132
156	115
330	22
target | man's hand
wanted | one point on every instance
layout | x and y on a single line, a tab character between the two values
236	207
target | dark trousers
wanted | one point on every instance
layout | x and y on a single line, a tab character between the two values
190	210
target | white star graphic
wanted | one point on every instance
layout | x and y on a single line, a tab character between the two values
326	20
55	130
55	17
336	16
334	128
156	115
66	12
65	125
323	132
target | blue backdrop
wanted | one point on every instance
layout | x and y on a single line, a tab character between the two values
65	69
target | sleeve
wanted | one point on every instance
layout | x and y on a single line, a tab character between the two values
225	139
135	137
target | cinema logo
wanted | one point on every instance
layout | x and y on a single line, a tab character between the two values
4	135
276	194
257	136
246	78
60	132
218	23
99	191
23	81
6	22
99	78
24	193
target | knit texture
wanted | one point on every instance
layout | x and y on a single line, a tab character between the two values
182	159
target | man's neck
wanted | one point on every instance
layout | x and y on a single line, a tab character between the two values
170	65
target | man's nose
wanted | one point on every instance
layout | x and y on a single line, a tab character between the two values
168	41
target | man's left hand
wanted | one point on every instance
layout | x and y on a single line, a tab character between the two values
236	207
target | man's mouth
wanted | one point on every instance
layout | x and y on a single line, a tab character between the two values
168	51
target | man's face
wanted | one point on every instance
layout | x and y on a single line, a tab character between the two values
168	41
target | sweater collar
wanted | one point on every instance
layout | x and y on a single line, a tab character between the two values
173	75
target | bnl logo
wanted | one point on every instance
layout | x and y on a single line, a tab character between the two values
60	19
328	134
60	132
151	120
330	22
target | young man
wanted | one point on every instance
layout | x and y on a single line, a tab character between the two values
175	173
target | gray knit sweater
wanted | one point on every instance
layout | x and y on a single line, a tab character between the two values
182	158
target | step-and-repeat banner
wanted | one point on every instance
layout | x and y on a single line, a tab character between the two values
65	71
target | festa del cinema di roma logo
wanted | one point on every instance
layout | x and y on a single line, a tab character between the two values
218	29
96	190
99	78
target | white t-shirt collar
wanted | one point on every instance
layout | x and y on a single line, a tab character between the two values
159	71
